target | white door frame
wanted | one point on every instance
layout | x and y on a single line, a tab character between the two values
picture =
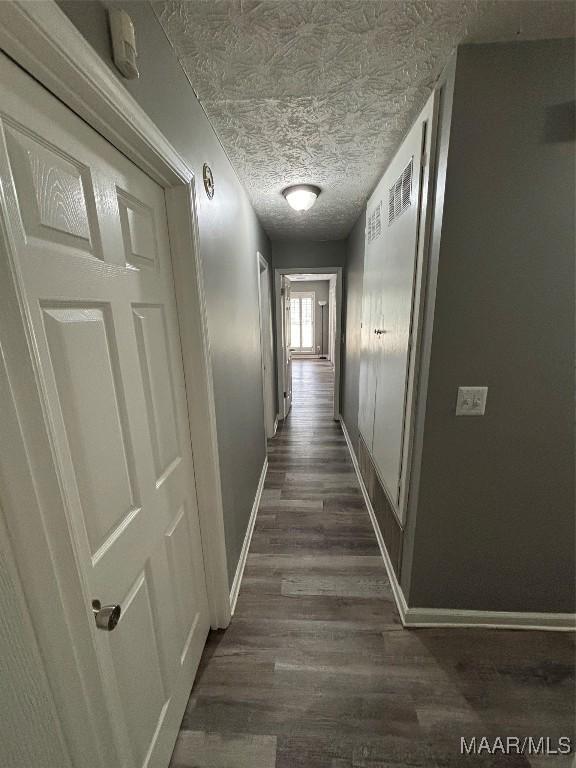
332	320
278	273
266	352
41	39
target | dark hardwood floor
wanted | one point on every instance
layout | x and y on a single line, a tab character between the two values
316	671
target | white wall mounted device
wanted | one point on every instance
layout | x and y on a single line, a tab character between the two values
123	43
471	401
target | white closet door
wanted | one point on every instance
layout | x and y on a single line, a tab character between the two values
286	336
399	271
371	310
91	253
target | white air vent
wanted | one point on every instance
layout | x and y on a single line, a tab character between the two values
400	195
374	227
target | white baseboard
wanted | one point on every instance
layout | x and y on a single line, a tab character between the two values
235	589
396	588
455	617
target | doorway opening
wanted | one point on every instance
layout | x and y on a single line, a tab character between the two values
266	345
308	327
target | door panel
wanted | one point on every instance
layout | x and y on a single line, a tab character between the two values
90	239
143	696
153	350
371	300
266	335
285	306
398	269
177	543
138	233
90	399
60	205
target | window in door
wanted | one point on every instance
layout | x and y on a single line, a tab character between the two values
302	321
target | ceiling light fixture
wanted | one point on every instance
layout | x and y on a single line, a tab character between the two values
301	197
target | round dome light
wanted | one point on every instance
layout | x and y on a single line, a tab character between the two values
301	197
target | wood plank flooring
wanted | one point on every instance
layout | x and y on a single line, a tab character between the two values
316	671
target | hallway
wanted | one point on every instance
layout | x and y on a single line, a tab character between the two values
316	671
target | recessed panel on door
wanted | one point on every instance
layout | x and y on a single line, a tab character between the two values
56	191
182	576
138	233
154	353
136	657
79	342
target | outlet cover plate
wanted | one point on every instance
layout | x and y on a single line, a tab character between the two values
471	401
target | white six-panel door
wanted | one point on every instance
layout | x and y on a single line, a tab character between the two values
90	239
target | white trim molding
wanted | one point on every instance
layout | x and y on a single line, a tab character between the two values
235	589
196	357
399	598
455	617
413	618
332	271
42	40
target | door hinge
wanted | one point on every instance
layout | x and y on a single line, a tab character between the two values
282	291
285	393
424	159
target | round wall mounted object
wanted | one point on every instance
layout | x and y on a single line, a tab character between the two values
208	180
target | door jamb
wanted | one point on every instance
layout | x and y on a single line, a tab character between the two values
43	41
278	273
263	266
279	319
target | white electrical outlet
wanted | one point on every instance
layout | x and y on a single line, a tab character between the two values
471	401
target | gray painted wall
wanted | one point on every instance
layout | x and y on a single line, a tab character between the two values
494	526
298	253
445	95
230	235
496	514
320	288
353	274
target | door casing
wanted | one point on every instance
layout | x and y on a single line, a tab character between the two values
278	274
266	336
42	40
372	313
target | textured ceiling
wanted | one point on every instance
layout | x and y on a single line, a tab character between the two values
322	91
